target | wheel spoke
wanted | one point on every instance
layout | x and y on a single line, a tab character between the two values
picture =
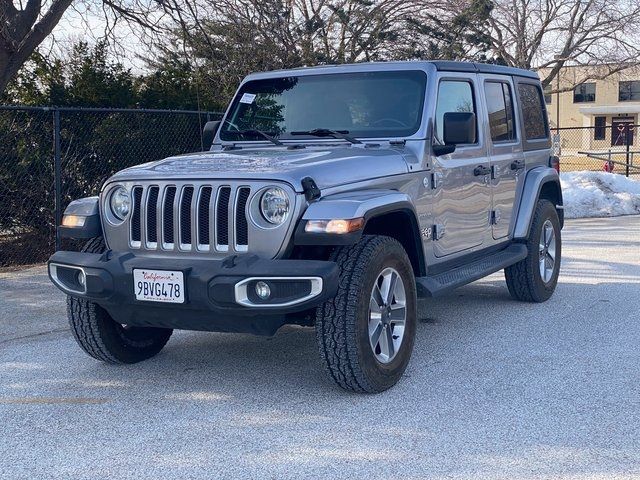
373	305
384	344
552	237
552	250
376	296
393	282
391	346
547	235
374	335
398	315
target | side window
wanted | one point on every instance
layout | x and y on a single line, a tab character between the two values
500	109
453	96
532	114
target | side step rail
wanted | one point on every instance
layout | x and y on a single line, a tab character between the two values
436	285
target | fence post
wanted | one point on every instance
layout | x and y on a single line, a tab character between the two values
628	130
57	173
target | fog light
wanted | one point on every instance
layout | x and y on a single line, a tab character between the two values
82	280
262	290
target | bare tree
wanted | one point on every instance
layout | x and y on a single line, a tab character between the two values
25	24
600	35
22	28
312	31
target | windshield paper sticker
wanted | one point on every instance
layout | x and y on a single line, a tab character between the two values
248	98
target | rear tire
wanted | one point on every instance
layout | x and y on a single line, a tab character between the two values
530	280
103	338
365	344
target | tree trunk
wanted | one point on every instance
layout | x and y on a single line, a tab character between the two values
23	31
7	70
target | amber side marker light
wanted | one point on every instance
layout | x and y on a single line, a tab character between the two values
334	226
73	221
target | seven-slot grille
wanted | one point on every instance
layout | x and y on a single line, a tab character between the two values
198	218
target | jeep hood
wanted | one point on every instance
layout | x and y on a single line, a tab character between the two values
327	166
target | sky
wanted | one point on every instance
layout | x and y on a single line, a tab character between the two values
87	22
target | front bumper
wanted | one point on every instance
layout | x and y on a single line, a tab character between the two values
215	290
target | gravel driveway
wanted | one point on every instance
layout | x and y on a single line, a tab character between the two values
495	389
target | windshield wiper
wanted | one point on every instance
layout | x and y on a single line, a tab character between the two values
325	132
260	133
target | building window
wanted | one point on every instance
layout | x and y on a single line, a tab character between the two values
500	108
629	91
600	130
547	94
584	93
535	125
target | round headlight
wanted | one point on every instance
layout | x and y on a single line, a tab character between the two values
120	203
274	205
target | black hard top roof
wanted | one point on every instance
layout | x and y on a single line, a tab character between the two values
450	66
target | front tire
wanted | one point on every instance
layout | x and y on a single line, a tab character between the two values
366	332
534	279
103	338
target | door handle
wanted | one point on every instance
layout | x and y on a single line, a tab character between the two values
517	165
481	170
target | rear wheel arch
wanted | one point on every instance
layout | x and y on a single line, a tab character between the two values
552	191
541	183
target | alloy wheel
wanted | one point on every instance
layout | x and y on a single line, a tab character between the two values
547	250
387	315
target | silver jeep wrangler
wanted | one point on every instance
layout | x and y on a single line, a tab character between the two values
330	197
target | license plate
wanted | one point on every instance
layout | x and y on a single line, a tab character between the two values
158	286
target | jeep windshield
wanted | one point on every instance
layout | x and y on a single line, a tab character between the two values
365	104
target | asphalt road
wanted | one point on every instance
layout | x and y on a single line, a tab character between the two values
495	389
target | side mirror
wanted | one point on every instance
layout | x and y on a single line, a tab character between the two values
209	133
459	128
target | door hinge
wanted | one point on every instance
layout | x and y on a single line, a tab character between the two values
433	181
436	180
438	231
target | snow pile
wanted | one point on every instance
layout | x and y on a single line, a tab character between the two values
599	194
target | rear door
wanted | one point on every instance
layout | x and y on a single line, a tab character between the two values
462	194
505	151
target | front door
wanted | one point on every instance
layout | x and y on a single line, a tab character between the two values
462	194
621	131
505	151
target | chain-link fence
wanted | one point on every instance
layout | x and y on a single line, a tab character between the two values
50	156
611	148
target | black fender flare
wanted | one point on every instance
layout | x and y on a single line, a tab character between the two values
89	208
537	179
368	204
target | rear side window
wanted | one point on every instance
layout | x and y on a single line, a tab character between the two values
532	114
453	96
500	109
